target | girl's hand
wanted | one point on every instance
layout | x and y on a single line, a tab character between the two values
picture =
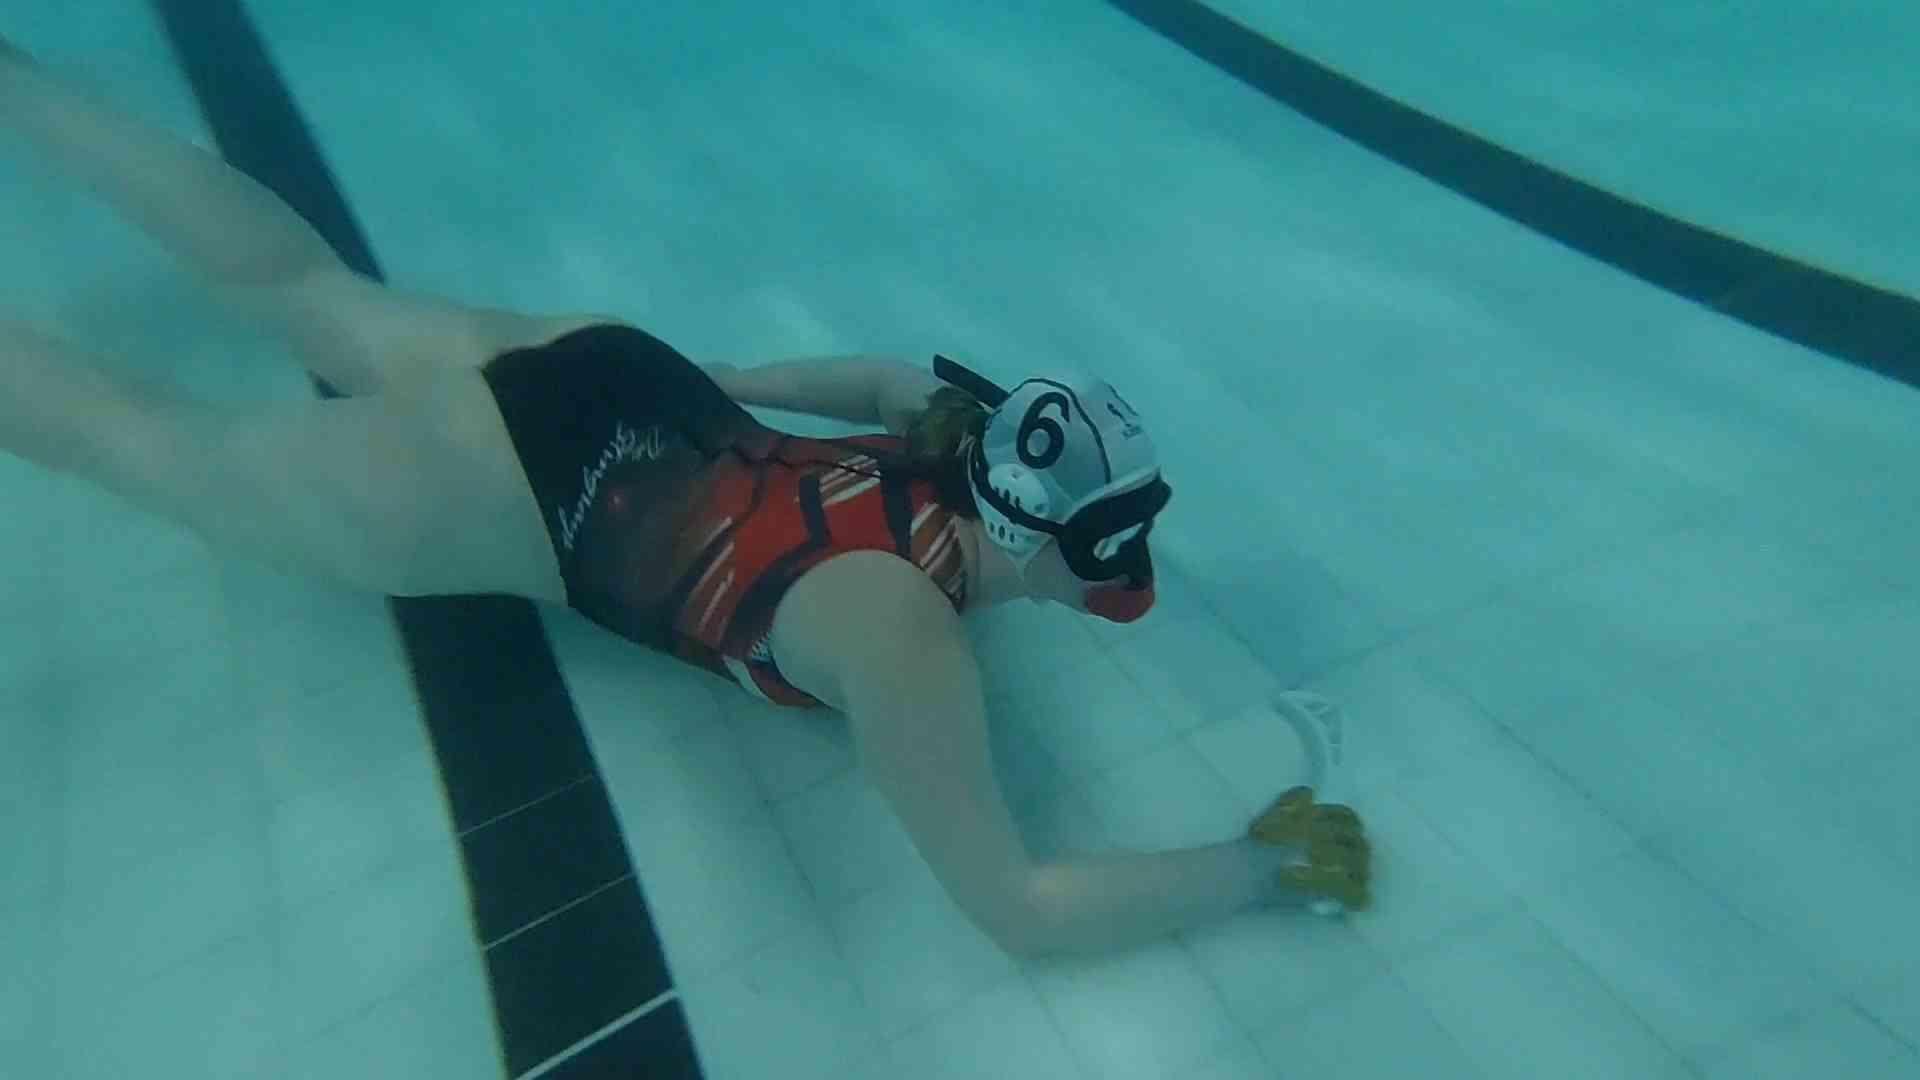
1330	839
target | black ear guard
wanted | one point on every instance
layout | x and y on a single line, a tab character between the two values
1080	539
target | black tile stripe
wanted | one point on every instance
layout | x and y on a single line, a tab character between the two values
571	951
1872	327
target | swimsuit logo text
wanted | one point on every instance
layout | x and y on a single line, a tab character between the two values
628	445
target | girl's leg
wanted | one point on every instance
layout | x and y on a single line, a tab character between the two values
250	246
406	495
213	217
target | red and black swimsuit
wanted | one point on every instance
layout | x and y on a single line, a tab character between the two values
679	520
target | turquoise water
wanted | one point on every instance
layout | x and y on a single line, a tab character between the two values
1617	592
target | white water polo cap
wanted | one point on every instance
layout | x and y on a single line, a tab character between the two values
1066	458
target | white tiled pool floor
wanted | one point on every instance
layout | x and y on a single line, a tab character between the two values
1619	596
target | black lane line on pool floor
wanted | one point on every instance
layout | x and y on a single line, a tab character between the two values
1847	319
579	983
